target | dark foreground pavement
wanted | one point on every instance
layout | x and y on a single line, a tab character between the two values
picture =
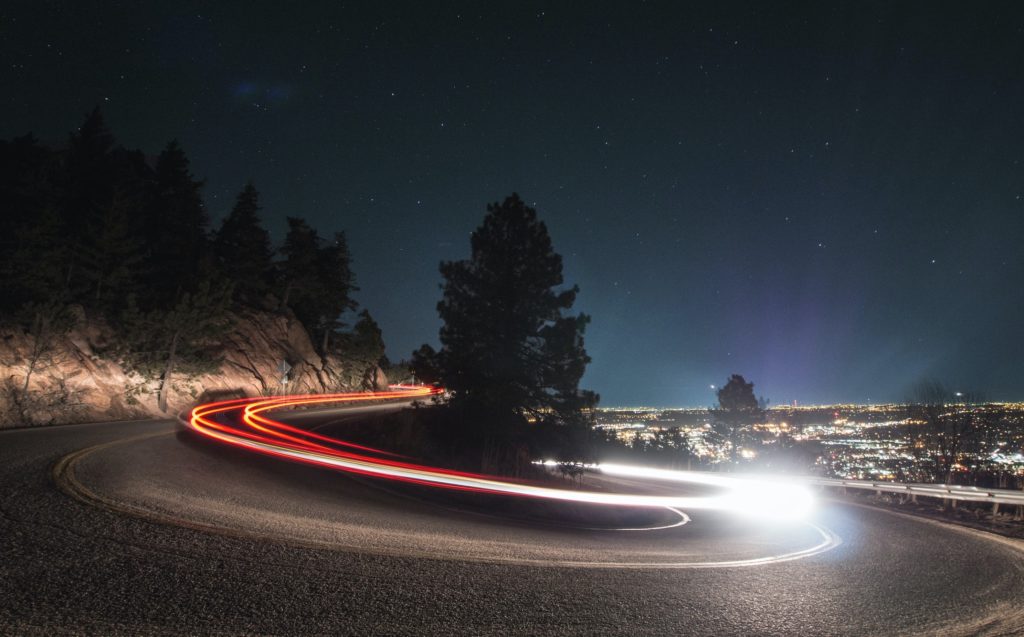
171	536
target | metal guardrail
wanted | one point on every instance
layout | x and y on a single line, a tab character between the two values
943	491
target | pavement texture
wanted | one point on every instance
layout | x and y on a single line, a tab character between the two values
135	528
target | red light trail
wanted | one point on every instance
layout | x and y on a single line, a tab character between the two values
246	423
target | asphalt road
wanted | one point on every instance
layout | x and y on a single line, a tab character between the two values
130	528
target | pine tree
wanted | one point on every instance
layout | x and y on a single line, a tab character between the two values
87	188
334	271
176	227
34	268
88	180
738	408
364	346
316	280
299	272
112	254
508	350
367	339
34	244
242	247
425	365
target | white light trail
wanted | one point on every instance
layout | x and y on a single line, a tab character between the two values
256	431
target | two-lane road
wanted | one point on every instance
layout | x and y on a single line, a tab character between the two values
141	531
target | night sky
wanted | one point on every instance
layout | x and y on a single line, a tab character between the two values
829	201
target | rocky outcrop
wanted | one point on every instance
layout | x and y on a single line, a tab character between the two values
78	380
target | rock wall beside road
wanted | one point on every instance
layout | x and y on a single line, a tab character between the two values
80	379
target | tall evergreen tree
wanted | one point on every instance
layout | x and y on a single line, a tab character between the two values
367	339
242	247
175	228
88	172
87	187
425	365
26	181
364	346
35	267
316	280
33	246
112	254
334	270
738	408
508	348
299	272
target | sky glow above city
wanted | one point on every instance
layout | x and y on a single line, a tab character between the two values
829	201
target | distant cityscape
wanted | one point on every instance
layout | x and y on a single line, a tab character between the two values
868	442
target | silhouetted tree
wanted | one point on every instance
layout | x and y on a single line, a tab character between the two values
32	245
87	187
300	271
951	423
176	226
425	365
34	267
242	246
738	409
507	349
316	280
88	173
679	447
336	285
112	253
367	342
364	347
27	171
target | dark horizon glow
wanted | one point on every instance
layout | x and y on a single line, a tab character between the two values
827	200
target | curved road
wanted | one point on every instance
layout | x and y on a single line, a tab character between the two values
135	528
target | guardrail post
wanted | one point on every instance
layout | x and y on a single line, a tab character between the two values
995	509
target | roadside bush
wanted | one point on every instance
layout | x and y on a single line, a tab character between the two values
55	401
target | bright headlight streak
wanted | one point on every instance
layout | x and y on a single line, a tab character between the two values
750	495
268	436
692	477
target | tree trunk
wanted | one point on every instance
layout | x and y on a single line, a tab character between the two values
165	383
37	348
71	269
734	442
28	374
327	336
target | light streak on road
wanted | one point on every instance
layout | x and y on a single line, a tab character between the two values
246	423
